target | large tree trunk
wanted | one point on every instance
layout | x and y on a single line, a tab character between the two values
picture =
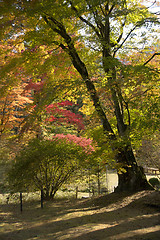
133	178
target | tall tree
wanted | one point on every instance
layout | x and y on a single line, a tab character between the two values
93	34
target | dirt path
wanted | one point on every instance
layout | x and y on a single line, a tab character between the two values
110	217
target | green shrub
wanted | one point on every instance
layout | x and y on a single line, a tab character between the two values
154	181
45	164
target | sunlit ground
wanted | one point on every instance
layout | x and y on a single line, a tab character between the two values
110	217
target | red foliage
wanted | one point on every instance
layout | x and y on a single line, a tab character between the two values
59	114
65	103
36	86
85	143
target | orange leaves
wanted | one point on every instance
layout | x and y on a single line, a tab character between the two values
13	108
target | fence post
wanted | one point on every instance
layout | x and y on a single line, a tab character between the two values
21	203
42	197
76	192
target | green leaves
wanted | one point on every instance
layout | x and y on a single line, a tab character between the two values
45	164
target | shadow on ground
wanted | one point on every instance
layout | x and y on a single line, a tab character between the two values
113	216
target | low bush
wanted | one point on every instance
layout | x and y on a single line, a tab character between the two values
154	181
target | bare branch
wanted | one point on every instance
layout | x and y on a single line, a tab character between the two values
155	54
111	9
137	94
122	26
152	4
102	10
128	35
84	20
139	24
48	23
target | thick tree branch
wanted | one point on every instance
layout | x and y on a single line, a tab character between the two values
81	68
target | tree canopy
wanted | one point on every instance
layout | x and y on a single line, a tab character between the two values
101	51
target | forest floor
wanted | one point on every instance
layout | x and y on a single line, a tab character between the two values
109	217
